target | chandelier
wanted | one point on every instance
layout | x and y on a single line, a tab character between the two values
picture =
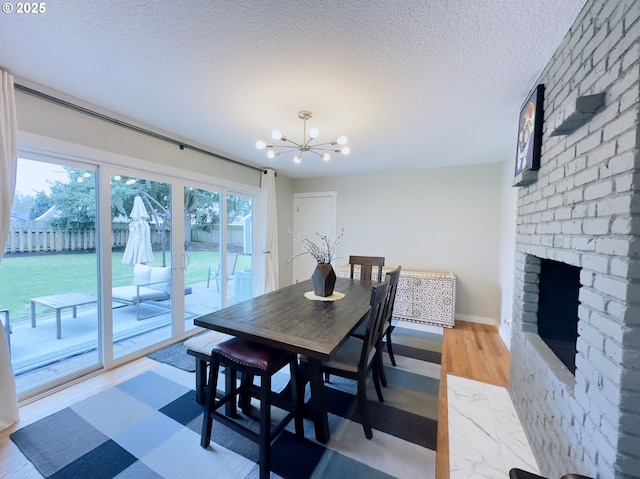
338	145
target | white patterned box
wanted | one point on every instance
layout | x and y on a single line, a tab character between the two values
427	297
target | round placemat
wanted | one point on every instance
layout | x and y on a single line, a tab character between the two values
334	297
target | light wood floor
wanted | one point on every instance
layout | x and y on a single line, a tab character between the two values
470	350
473	351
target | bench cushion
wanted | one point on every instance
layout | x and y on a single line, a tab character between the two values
204	343
130	294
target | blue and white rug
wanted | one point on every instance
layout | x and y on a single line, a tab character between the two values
149	427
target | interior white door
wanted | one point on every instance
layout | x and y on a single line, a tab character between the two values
312	213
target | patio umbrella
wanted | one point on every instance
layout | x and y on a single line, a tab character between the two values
138	249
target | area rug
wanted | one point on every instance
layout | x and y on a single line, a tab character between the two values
175	355
149	427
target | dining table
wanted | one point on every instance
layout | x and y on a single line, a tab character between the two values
288	320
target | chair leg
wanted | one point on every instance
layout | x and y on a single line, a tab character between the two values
376	379
362	406
383	374
390	348
265	427
231	386
207	420
208	276
244	399
297	397
201	380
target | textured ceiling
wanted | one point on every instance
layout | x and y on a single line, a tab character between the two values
413	84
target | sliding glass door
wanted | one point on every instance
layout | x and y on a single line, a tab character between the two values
141	254
212	279
105	263
239	247
49	273
202	265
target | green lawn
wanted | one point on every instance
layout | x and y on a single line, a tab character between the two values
25	277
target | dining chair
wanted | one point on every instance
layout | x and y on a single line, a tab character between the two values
367	263
393	277
356	357
232	260
251	359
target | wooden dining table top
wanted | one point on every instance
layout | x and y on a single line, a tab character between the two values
286	319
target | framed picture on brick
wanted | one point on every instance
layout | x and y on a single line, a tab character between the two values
529	143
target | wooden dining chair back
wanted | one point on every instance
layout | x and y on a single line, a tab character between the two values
393	277
356	357
367	264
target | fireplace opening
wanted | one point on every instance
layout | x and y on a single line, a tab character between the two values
559	286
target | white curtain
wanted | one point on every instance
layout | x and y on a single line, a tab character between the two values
269	278
8	161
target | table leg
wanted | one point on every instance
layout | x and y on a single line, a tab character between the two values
58	323
318	401
75	311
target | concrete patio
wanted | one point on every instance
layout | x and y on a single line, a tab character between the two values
36	354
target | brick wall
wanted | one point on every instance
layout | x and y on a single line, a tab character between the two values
584	210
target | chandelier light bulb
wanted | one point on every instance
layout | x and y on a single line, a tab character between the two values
342	140
297	158
313	133
260	145
326	157
345	150
276	135
271	154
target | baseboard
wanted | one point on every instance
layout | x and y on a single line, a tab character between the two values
477	319
505	335
417	326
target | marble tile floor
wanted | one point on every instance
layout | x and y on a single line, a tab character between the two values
486	439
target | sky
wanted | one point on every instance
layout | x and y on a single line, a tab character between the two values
32	176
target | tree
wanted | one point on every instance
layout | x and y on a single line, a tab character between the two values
40	205
75	201
22	205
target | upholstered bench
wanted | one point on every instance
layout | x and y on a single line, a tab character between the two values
200	348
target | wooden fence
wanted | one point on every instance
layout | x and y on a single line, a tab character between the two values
40	237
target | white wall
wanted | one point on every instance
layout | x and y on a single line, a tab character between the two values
445	219
507	248
50	120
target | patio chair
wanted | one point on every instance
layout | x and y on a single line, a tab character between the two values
150	283
232	259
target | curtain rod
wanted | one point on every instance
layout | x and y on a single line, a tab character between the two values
129	126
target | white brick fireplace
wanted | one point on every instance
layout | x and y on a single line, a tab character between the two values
584	211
